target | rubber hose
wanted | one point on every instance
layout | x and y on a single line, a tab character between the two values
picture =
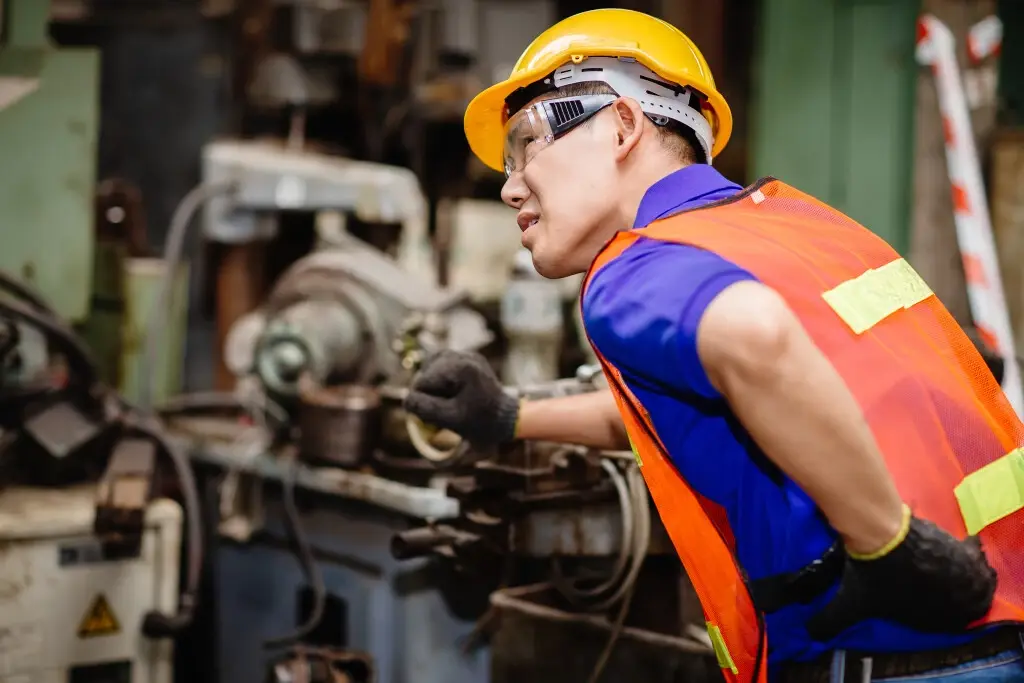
157	624
81	365
25	293
180	221
565	586
310	569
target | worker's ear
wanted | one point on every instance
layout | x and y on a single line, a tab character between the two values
629	126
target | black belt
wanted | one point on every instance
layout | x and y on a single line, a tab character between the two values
772	593
894	665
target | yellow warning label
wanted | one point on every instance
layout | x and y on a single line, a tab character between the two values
99	620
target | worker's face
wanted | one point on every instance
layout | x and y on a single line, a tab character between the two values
567	195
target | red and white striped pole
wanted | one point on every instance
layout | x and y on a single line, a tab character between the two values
936	48
985	39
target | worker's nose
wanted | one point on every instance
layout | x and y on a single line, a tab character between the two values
515	192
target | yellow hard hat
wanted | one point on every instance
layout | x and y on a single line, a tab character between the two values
654	43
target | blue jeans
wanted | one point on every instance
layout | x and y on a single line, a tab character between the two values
1005	667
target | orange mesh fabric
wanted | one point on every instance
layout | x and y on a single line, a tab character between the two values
699	532
935	410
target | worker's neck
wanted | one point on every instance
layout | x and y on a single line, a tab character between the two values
637	180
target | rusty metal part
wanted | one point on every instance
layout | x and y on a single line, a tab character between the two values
407	545
387	33
240	287
498	494
339	425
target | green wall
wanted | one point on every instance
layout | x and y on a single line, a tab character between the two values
834	92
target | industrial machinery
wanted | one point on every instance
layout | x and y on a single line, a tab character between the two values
572	531
324	362
349	531
334	314
61	426
47	100
71	607
308	364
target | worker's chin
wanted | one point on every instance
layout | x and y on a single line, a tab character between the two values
548	262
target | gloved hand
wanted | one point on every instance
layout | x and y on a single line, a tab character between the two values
460	392
928	581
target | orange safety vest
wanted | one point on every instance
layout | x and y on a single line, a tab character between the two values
949	437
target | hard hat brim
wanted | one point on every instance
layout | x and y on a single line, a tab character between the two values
485	129
483	122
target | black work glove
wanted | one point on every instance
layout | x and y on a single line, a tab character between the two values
930	582
460	392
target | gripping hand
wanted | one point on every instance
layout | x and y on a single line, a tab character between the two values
459	391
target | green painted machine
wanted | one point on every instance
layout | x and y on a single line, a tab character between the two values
49	126
68	240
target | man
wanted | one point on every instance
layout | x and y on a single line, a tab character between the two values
813	426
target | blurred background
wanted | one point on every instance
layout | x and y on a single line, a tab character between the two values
230	230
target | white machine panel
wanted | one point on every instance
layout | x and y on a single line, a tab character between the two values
67	613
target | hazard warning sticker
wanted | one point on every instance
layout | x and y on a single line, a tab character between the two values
99	620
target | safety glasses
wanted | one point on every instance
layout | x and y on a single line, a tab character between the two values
537	126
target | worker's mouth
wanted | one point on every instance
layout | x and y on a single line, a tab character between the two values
527	220
527	232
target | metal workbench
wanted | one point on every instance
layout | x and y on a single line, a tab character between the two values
413	501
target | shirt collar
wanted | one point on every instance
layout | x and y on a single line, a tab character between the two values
686	188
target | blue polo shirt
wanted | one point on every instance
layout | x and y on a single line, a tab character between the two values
641	311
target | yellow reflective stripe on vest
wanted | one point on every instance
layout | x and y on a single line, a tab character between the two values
993	492
874	295
636	453
721	649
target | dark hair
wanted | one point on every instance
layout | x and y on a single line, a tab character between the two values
679	140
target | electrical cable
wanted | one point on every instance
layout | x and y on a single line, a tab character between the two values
180	222
566	587
157	624
309	566
613	638
25	293
643	539
10	337
81	366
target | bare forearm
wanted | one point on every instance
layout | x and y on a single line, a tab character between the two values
807	422
800	412
590	419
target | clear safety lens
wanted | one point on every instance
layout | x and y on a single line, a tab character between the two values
526	133
537	126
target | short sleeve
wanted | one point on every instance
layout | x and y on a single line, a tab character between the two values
642	309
